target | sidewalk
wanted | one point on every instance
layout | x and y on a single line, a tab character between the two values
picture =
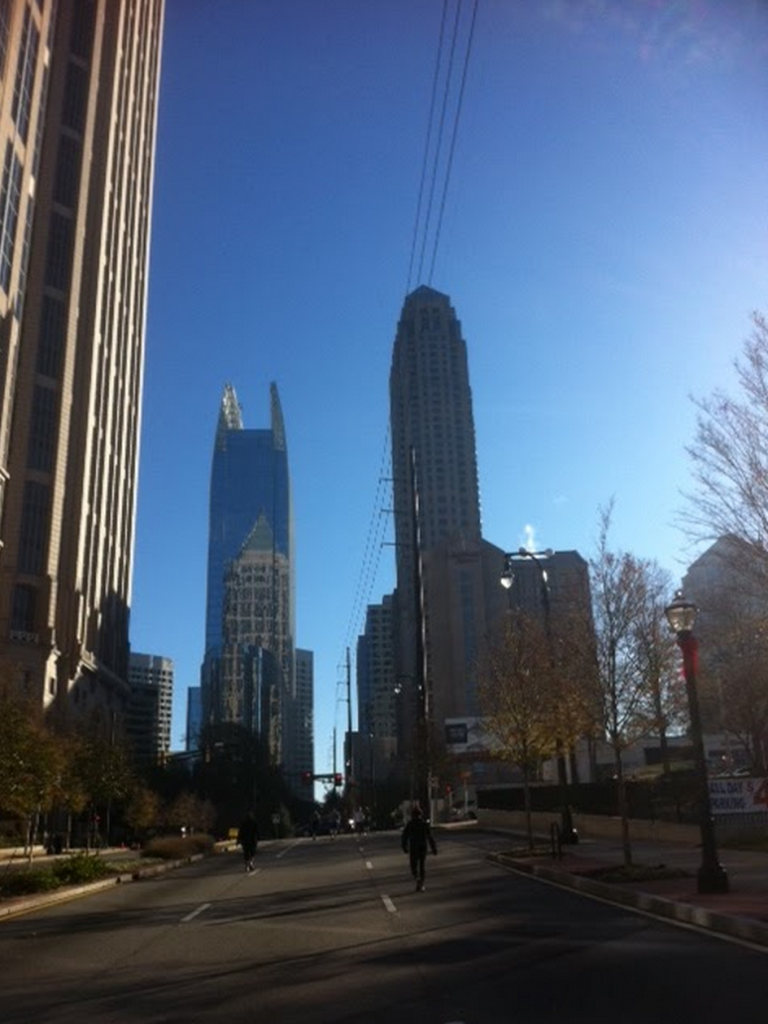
740	913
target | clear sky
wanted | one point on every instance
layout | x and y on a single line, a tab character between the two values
604	242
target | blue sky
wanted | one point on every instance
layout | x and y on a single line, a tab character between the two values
604	242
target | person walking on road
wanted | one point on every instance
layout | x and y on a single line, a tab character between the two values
417	836
247	838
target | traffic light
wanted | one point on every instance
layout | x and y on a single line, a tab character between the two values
306	778
338	779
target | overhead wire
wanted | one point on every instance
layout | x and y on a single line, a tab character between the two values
427	147
439	141
457	118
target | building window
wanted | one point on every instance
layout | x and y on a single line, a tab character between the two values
59	260
51	341
5	24
10	198
25	75
75	98
42	431
67	171
34	527
24	608
81	40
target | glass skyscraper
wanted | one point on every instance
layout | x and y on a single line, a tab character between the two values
248	674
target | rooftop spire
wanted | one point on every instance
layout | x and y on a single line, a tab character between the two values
230	414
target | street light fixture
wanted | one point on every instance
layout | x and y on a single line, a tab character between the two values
568	833
681	615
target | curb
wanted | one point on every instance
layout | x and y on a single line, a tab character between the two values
657	906
17	905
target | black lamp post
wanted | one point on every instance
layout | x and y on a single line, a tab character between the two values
681	615
568	833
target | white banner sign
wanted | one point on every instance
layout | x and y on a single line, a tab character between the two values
738	796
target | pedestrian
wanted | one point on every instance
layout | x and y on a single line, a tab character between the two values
335	822
247	838
314	824
416	837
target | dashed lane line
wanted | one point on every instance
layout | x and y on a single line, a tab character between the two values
389	904
194	913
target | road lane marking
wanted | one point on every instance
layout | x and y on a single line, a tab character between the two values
369	865
287	849
389	904
194	913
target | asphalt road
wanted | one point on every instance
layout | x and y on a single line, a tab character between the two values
332	930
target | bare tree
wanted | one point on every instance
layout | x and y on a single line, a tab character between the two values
657	658
619	587
517	692
729	456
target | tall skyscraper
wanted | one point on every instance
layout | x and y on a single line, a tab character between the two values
150	705
248	673
433	428
439	551
78	108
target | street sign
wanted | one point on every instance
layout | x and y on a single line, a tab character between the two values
738	795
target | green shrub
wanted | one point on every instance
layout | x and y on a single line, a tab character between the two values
24	881
81	868
178	847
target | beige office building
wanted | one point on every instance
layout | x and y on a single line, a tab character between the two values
78	107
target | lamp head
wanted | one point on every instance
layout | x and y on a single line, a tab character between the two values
681	614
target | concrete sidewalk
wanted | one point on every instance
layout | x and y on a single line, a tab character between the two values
741	913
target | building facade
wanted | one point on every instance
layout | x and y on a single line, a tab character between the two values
436	500
248	672
78	112
194	720
150	708
299	753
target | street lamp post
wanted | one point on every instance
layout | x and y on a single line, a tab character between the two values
681	615
568	833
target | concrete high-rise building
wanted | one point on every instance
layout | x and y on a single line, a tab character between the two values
78	110
376	677
299	753
150	706
433	429
248	673
437	509
377	695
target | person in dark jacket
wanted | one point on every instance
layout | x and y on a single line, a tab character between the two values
247	838
417	836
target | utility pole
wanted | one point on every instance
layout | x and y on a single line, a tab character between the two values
349	765
423	739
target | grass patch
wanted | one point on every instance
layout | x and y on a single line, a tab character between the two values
757	841
178	847
521	852
635	873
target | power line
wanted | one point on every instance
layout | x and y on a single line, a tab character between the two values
427	145
421	231
453	138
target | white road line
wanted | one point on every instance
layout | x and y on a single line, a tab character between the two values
200	909
389	904
287	849
369	865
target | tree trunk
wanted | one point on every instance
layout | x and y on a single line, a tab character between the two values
528	814
623	810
